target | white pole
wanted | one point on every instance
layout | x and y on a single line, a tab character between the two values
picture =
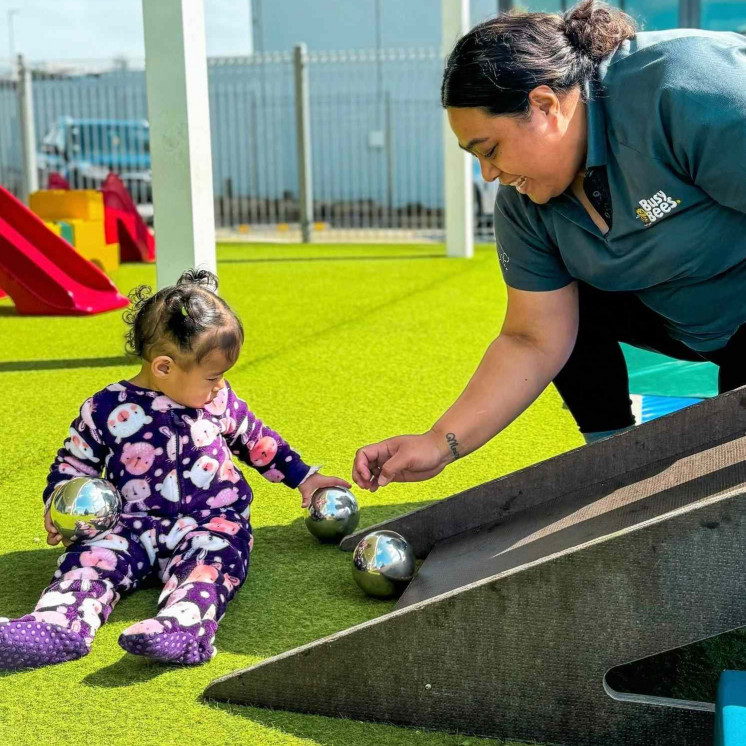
178	108
459	189
28	132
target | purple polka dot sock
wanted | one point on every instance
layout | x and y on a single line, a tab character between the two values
28	643
164	639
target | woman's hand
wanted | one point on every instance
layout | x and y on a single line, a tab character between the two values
54	537
404	458
316	482
536	340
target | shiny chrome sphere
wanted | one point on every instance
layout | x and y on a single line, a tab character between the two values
85	507
383	564
332	514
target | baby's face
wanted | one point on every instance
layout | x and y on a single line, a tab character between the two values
196	386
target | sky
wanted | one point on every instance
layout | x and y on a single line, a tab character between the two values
101	29
46	30
104	29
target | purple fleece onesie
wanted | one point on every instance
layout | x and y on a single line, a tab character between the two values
185	516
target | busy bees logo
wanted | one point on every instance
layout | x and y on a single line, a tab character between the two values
655	207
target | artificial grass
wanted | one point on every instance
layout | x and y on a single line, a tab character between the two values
345	345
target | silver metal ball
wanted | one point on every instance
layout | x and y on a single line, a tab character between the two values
383	563
332	514
85	507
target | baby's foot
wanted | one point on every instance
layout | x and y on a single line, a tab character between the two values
165	639
28	643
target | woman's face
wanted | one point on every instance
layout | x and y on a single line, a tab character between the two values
540	156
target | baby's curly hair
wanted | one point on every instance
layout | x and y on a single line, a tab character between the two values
185	321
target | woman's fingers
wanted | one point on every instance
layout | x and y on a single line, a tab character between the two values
368	463
390	470
390	460
360	470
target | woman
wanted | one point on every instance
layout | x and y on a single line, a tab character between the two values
626	220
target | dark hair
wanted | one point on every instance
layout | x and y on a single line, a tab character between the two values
186	321
499	62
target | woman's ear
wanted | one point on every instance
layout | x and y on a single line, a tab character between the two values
545	100
161	366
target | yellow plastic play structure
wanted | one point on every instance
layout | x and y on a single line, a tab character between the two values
78	217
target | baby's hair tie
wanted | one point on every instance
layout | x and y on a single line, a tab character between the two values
184	311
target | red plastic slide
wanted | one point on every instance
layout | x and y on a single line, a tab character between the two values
42	273
57	181
124	225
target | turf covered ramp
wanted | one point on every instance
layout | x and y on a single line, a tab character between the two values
604	555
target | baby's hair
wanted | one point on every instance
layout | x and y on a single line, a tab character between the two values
185	321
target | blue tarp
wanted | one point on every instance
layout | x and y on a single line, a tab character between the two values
658	375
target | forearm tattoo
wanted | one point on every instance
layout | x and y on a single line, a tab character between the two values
453	444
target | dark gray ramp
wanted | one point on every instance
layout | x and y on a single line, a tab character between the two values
662	441
579	517
510	626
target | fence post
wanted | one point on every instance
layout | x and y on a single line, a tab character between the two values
459	189
689	14
303	136
390	158
30	181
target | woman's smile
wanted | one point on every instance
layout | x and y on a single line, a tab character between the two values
519	182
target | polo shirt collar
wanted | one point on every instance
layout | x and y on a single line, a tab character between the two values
596	123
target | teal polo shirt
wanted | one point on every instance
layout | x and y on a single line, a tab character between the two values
667	119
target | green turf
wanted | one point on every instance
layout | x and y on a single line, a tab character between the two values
350	345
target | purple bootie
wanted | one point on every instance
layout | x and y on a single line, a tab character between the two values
29	643
164	639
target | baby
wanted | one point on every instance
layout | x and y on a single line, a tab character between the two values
165	439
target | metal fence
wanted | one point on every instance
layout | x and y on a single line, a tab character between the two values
375	130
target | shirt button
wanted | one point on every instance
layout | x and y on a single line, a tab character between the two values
596	194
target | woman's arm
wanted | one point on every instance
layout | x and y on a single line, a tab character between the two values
534	344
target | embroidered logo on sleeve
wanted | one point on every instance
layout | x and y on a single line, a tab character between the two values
655	207
504	258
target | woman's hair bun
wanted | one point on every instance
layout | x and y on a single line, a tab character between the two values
595	29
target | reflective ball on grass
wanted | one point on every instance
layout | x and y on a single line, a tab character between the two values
85	507
332	514
383	564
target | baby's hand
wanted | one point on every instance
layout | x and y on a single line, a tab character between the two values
53	535
317	481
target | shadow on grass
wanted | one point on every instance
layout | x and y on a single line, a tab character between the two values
300	590
291	259
297	590
690	672
342	732
84	362
27	573
127	671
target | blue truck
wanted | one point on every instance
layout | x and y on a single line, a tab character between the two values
84	151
